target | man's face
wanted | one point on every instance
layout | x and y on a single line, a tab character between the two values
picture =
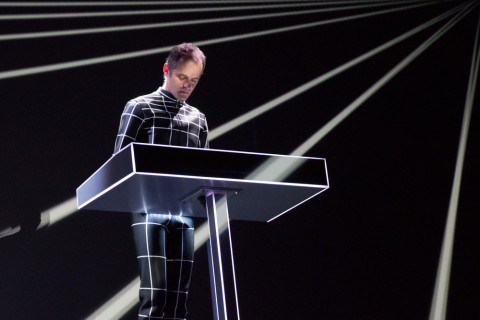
182	80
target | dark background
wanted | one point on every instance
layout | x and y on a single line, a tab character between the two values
367	248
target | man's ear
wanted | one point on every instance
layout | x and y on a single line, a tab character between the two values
165	69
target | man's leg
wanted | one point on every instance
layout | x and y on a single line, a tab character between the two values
149	232
180	251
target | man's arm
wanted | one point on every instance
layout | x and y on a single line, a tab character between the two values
204	135
131	121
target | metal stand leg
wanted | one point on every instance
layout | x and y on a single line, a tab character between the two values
222	271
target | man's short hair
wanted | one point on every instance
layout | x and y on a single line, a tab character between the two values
185	52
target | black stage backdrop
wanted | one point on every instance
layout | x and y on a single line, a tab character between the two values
367	248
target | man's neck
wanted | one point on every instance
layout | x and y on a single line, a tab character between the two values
168	93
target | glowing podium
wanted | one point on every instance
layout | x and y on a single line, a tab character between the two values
221	185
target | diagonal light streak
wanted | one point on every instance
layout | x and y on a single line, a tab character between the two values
236	122
60	211
118	305
380	83
74	32
157	3
141	53
154	12
438	310
279	169
132	3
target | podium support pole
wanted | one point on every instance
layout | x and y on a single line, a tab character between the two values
222	270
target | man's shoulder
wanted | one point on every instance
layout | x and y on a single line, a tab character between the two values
146	98
193	110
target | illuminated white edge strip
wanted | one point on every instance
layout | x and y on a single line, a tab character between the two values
293	184
233	263
316	194
226	151
106	190
113	185
147	52
214	289
74	32
220	266
438	309
134	166
326	171
103	165
250	178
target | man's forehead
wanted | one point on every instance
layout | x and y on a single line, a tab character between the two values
189	67
183	61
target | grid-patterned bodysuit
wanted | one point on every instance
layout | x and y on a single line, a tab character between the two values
164	242
159	119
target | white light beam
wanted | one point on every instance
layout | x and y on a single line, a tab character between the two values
58	212
279	169
87	31
152	12
236	122
141	53
119	304
160	3
438	310
320	134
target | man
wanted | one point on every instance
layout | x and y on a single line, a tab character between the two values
164	242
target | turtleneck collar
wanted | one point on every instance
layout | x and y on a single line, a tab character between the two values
169	95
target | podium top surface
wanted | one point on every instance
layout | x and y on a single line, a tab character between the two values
170	179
